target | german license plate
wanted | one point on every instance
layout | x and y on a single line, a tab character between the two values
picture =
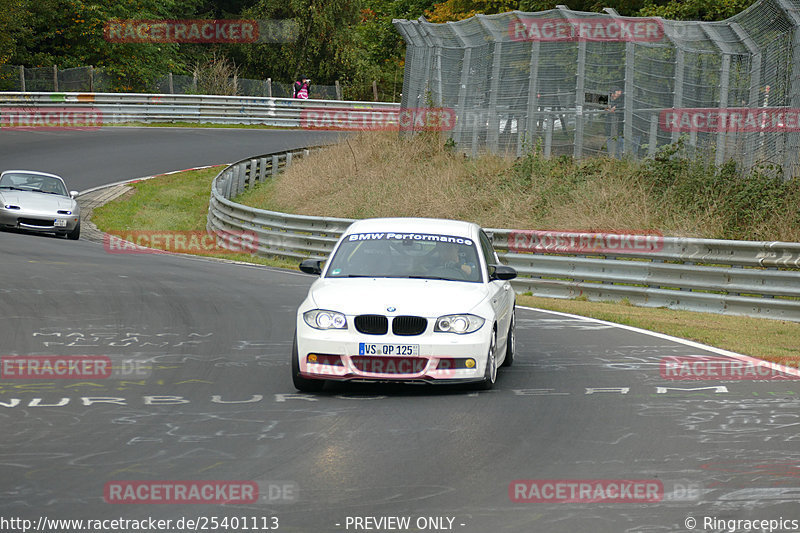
60	223
365	348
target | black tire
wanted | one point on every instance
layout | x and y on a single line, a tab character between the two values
75	234
490	370
300	383
511	341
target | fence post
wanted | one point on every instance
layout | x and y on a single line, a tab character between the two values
338	90
653	141
55	78
269	87
677	100
194	82
22	78
375	90
755	83
531	127
169	81
580	97
91	79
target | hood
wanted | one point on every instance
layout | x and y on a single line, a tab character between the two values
36	201
428	298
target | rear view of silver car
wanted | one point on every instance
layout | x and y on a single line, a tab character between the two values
39	202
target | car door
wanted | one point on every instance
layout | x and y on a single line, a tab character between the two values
502	297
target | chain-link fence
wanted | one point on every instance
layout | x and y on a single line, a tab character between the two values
33	79
91	79
581	84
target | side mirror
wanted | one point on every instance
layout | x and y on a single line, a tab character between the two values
73	194
501	272
311	266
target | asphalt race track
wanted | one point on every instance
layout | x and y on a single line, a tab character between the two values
209	396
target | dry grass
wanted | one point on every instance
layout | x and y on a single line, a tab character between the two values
373	174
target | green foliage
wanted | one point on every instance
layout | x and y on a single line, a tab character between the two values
625	8
12	17
694	9
325	50
743	202
69	33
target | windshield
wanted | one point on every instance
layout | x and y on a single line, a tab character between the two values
406	255
33	182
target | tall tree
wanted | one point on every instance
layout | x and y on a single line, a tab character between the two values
12	28
69	33
324	48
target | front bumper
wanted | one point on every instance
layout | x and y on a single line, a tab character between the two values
37	221
441	356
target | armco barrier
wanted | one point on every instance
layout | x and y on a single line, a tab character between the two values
758	279
116	108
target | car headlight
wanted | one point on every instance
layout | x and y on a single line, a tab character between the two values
322	319
458	323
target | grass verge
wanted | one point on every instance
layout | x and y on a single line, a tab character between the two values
179	202
174	202
771	340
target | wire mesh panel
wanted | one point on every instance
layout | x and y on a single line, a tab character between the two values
582	84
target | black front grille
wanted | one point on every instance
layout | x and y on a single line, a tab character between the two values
372	324
409	325
36	222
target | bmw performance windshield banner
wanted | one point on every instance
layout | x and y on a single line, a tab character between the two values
425	237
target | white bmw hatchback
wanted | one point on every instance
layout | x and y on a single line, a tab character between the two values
406	300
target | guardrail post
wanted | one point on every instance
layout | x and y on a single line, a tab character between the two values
228	183
241	183
275	164
262	169
288	159
252	176
233	190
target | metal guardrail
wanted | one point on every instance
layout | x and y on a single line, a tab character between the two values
113	108
758	279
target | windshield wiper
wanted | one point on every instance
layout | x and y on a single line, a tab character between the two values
432	277
12	188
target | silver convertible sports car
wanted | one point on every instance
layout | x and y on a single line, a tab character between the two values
406	300
40	202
